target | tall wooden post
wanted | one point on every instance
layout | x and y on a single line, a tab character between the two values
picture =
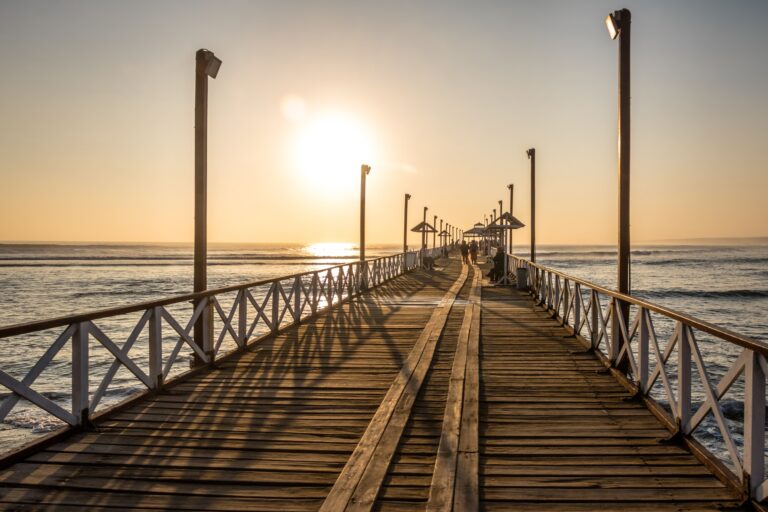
502	234
424	231
206	65
624	147
405	224
511	188
619	24
434	233
532	157
364	170
442	241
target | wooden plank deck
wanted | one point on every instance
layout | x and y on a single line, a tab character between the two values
558	435
349	410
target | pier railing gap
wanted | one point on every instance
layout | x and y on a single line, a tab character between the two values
662	372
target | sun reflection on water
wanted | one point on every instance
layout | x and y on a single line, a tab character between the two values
343	249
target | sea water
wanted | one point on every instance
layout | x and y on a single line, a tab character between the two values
723	285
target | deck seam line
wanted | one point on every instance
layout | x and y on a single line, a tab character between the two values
446	470
345	495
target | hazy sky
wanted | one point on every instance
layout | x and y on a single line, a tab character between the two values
442	99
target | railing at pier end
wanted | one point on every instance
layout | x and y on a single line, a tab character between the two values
661	355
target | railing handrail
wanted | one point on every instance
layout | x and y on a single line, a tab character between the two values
50	323
720	332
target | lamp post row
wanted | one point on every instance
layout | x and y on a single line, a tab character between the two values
207	66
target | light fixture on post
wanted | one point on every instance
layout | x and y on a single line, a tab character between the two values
206	65
502	235
532	157
364	171
619	25
434	233
511	188
405	224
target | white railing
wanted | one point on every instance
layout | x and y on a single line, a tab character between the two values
232	317
658	353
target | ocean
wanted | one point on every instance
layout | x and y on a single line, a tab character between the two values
723	285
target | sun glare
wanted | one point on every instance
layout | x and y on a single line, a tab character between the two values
330	149
341	249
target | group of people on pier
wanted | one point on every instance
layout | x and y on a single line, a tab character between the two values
469	251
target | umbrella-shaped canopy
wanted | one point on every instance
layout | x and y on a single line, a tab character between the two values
476	231
510	222
443	234
424	227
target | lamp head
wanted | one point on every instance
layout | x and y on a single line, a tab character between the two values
531	152
210	62
615	20
511	186
365	169
407	196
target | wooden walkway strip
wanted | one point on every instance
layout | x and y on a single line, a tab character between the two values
359	482
454	480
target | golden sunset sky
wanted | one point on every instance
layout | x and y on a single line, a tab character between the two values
441	98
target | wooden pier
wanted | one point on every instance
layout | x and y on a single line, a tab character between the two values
428	392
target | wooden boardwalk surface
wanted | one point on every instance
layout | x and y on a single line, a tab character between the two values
425	393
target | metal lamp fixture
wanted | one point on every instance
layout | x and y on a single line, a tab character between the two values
613	23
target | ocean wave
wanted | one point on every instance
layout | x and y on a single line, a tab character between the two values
758	260
595	253
681	293
294	262
227	257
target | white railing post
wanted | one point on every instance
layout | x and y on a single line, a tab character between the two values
549	290
615	331
594	317
754	423
156	348
275	305
80	367
208	347
313	290
566	304
683	378
340	284
576	307
297	299
329	287
642	350
366	275
242	317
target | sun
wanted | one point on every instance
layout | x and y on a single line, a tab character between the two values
330	149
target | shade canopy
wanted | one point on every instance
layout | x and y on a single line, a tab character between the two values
510	222
443	234
424	227
476	231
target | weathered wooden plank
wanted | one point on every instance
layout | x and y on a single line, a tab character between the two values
443	484
345	491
